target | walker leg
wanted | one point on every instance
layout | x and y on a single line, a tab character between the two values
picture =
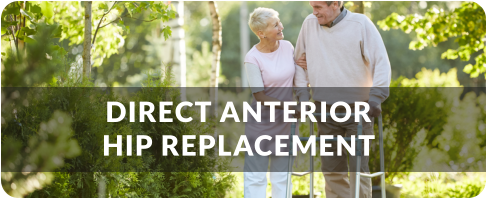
359	159
357	178
311	180
288	185
381	148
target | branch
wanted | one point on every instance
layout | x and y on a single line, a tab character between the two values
12	27
98	27
143	19
125	15
114	20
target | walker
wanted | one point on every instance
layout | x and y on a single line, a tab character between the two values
358	174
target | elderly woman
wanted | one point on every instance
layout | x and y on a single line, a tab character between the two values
270	69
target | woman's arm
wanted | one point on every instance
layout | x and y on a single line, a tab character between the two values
256	84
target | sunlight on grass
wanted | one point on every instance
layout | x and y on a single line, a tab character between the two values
415	185
442	185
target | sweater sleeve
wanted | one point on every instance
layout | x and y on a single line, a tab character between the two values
301	76
254	77
375	53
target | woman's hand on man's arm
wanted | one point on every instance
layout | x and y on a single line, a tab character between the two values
262	97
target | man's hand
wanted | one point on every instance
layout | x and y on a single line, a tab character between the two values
375	109
302	62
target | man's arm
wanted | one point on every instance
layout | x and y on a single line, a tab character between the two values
301	76
375	54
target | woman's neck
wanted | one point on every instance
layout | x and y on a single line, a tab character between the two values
266	46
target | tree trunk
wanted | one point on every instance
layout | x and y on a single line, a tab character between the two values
215	65
244	41
21	25
179	49
360	7
87	41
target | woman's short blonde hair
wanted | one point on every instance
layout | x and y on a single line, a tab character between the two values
258	18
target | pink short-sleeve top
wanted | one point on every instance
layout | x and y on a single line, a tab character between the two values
277	69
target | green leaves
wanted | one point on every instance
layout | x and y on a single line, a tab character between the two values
450	54
29	40
130	8
124	27
57	32
11	9
467	23
172	14
167	32
103	7
28	31
35	9
58	50
47	10
27	14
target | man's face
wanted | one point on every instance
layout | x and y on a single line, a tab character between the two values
324	13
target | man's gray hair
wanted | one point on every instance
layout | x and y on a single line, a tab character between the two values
340	3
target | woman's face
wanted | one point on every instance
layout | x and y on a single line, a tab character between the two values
274	29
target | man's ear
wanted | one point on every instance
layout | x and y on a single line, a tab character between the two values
336	5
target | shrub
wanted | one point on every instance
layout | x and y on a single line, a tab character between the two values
92	174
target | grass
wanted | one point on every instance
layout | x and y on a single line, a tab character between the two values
415	185
442	185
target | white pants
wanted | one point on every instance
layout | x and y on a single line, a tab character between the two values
255	179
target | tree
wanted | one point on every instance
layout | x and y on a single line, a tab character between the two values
41	25
244	41
217	44
356	6
33	66
87	41
20	21
466	23
158	10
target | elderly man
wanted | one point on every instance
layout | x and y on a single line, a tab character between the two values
342	56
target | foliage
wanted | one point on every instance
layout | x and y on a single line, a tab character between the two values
409	129
465	123
35	66
462	143
45	150
432	78
142	51
416	185
200	67
108	27
39	61
85	180
467	23
442	185
47	61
